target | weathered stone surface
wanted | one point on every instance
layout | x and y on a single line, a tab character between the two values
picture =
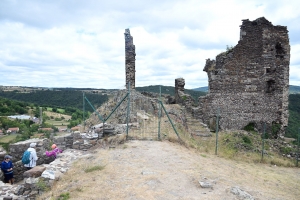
181	97
241	194
48	174
19	190
205	184
34	172
250	82
129	59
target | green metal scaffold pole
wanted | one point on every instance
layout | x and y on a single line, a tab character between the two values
159	113
83	108
217	131
263	142
101	118
169	119
116	107
298	147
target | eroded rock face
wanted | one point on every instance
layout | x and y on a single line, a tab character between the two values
181	97
179	89
250	82
129	59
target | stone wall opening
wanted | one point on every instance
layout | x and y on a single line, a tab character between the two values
279	51
270	86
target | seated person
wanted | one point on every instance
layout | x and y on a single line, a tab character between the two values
55	151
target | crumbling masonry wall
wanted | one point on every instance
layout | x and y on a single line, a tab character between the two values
182	98
250	82
129	59
179	90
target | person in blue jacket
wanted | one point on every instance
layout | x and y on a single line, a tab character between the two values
7	168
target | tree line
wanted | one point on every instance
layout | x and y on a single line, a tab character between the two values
8	107
67	98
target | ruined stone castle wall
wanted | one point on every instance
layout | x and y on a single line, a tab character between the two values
249	83
129	59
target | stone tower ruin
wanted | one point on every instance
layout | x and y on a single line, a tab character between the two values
249	83
129	59
179	88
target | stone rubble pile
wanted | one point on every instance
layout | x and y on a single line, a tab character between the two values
41	177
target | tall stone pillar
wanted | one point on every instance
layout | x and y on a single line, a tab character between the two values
179	89
129	59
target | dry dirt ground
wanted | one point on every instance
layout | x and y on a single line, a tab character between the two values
150	170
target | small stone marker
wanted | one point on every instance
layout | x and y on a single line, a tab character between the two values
241	194
205	184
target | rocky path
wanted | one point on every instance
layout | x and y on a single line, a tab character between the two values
163	170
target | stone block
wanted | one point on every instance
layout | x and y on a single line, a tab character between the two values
34	172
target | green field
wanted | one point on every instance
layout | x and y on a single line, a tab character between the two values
8	138
58	123
59	110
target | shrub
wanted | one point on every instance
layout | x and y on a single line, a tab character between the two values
249	127
94	168
42	185
286	150
246	139
275	129
64	196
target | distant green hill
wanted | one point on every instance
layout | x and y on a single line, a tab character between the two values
202	89
294	116
170	90
294	89
11	107
66	98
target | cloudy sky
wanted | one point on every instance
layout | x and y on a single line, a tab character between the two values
80	43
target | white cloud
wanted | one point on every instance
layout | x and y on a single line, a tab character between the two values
81	43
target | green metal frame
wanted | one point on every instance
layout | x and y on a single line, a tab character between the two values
83	108
100	117
263	142
217	131
169	119
115	108
159	114
105	119
298	147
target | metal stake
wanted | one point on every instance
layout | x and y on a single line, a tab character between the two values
159	113
298	147
263	142
217	130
